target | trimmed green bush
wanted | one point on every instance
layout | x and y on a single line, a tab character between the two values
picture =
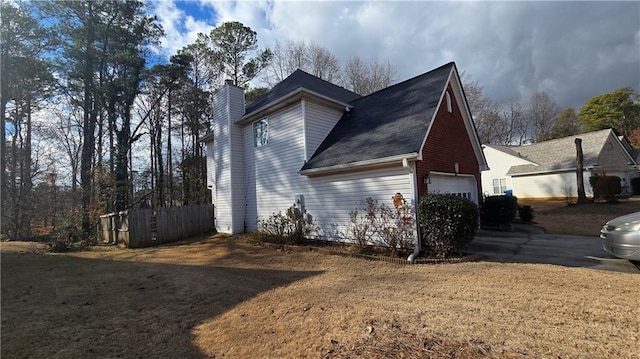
499	210
447	224
605	187
635	185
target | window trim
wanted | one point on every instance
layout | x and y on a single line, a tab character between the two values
501	185
263	124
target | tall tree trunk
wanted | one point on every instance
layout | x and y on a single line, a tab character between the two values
121	172
27	182
169	159
14	184
86	160
182	165
3	153
159	168
582	197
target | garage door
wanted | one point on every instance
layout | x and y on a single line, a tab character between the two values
462	186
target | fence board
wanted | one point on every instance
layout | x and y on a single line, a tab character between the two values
133	228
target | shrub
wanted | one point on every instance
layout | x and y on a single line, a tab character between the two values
447	224
605	187
525	213
290	228
635	185
379	224
69	239
499	210
360	228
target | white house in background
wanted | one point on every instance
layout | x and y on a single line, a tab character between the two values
548	169
324	148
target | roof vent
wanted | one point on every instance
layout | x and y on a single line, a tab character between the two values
228	82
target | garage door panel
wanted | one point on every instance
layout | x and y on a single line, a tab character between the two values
461	186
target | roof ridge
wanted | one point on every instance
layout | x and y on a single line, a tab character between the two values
407	80
321	79
535	144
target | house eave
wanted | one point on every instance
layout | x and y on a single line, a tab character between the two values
510	155
207	138
288	99
360	165
543	172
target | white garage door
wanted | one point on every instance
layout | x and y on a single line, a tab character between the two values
462	186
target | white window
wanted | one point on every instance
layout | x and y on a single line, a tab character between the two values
448	98
261	132
499	185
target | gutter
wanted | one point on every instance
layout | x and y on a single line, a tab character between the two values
353	165
564	170
291	96
416	248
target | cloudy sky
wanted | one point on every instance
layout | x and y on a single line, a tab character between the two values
571	50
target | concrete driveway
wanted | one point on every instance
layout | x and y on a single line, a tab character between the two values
529	244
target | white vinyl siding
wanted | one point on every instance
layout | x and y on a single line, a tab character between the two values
277	165
330	199
558	185
250	215
236	110
499	164
318	123
211	172
228	194
221	153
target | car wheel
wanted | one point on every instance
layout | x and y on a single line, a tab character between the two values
635	263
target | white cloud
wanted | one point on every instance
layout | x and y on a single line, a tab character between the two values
180	28
572	50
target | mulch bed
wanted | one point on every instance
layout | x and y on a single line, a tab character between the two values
346	250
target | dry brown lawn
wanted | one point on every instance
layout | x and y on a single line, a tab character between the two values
224	297
558	217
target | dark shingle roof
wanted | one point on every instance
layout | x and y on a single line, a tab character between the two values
301	79
393	121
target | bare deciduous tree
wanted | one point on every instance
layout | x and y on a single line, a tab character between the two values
312	58
365	78
517	125
323	64
483	110
542	111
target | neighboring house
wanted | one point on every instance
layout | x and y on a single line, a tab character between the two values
548	169
326	149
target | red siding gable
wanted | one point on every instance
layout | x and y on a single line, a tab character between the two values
447	143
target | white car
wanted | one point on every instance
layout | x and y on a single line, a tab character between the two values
622	236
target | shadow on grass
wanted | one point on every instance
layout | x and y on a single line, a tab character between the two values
61	306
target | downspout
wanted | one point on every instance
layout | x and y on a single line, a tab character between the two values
416	248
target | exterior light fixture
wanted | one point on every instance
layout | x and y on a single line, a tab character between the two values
425	178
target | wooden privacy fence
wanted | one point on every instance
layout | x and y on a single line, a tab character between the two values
137	228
